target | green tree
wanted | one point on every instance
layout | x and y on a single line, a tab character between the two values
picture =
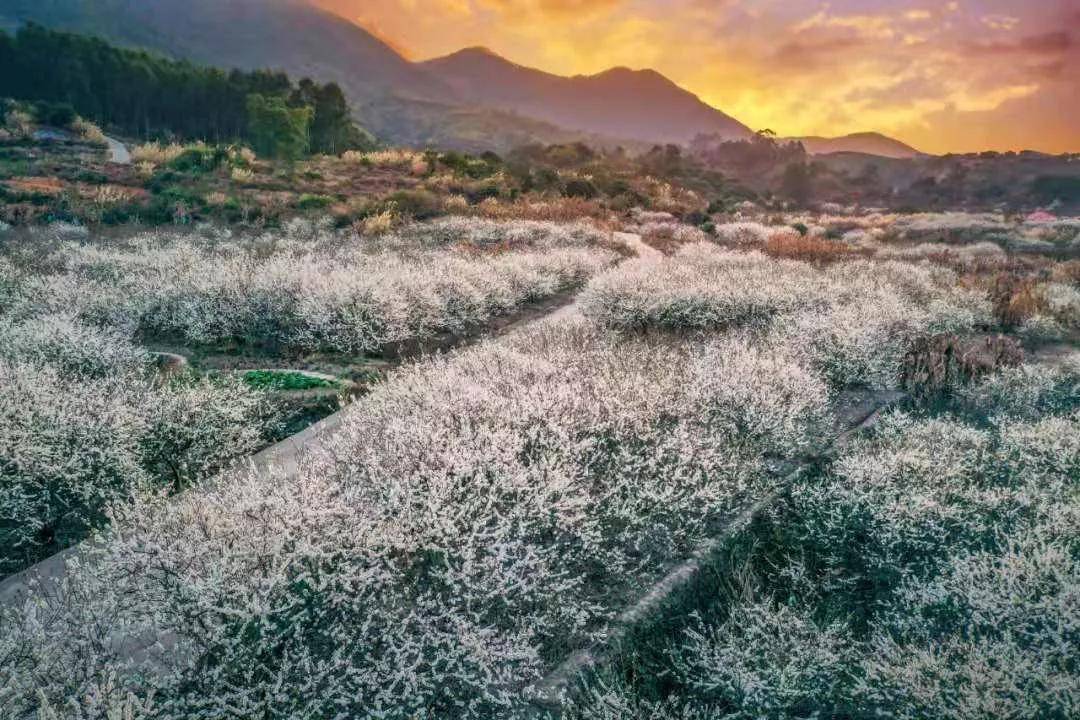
332	129
277	130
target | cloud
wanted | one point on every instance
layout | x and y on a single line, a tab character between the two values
1050	43
798	66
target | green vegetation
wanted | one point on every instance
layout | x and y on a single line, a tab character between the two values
149	95
286	380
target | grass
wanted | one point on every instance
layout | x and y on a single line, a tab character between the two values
286	380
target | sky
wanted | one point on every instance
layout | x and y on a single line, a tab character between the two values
948	76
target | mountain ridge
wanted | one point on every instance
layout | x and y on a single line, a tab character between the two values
866	143
489	98
618	102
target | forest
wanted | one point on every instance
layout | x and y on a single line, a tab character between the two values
154	97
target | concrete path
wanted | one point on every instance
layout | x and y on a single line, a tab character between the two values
118	152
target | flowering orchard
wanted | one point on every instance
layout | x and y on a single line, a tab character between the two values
485	513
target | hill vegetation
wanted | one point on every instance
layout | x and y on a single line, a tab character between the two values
150	96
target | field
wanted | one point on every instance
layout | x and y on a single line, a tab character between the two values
790	465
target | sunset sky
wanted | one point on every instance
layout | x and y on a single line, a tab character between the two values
944	76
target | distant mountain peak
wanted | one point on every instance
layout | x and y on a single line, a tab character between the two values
867	143
619	102
479	50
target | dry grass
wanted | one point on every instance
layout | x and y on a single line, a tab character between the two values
1066	272
379	224
939	363
242	175
547	210
156	153
37	185
1016	299
790	245
415	162
110	194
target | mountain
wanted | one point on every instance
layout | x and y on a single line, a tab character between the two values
620	103
289	35
866	143
468	100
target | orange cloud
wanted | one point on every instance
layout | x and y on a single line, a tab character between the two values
917	69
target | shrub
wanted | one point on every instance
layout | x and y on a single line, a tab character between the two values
285	380
1062	302
1027	392
88	131
417	204
68	449
743	234
194	429
765	661
74	349
796	246
580	188
991	636
342	294
308	201
699	288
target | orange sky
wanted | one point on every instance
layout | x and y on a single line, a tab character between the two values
945	76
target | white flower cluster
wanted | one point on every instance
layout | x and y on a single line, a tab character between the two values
743	234
932	573
327	292
83	426
701	287
853	321
476	518
955	227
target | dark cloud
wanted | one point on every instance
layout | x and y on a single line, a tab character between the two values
1050	43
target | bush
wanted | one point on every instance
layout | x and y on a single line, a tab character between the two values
83	428
313	202
285	380
68	450
73	349
765	661
796	246
199	159
324	292
580	188
55	114
417	204
194	429
699	288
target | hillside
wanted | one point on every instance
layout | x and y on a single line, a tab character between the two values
487	97
289	35
866	143
623	103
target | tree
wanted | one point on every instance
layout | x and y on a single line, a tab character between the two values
332	129
145	94
276	129
796	183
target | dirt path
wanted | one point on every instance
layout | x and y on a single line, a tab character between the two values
118	152
286	454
